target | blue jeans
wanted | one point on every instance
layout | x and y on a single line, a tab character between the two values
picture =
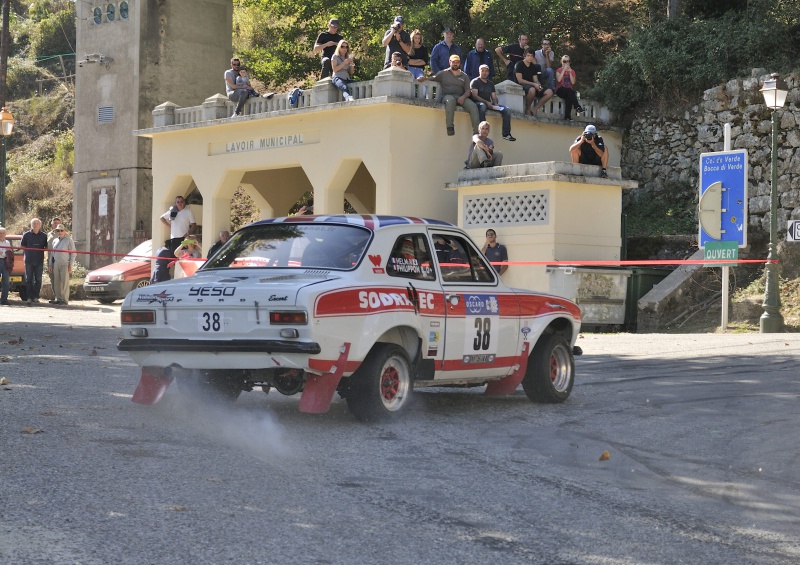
341	84
506	113
5	274
549	77
33	280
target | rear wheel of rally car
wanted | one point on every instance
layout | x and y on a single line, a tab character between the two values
381	387
212	384
551	370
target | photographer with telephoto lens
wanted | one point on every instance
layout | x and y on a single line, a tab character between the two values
589	149
181	222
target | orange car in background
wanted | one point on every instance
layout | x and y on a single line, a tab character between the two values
17	278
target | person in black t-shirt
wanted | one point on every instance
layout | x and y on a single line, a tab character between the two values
527	74
327	42
515	52
396	39
589	149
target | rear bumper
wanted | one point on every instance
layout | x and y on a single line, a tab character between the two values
219	346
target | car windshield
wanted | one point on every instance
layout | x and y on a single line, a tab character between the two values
140	253
309	246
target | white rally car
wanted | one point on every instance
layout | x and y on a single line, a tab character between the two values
371	307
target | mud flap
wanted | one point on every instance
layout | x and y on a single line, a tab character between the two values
319	389
152	385
509	384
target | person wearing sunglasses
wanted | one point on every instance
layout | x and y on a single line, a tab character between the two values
343	67
565	88
62	259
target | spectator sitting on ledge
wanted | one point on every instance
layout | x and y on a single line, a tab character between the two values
589	149
482	152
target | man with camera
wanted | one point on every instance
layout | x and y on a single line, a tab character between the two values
589	149
396	39
181	222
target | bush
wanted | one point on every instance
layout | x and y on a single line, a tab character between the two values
679	58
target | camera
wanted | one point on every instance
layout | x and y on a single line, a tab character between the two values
588	135
173	211
395	27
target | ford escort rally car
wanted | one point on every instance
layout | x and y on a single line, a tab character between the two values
371	307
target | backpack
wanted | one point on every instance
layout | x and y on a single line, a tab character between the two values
294	97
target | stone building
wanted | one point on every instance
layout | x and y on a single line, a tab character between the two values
131	56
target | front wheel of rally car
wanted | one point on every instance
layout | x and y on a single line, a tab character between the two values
551	370
210	385
381	387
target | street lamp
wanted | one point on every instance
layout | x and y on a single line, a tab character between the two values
774	91
6	129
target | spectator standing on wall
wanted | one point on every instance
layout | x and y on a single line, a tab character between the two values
224	236
396	39
482	152
236	93
589	149
544	58
343	67
442	51
327	42
6	265
495	252
515	52
527	74
35	242
180	220
60	265
565	88
485	97
455	92
477	57
418	56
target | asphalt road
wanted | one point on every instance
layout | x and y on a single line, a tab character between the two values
701	431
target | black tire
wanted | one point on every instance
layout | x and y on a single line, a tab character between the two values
106	300
551	370
208	385
381	388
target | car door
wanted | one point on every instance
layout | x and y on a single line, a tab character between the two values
482	314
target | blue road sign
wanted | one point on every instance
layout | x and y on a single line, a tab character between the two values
723	197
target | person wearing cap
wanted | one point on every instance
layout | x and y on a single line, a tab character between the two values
589	149
515	53
189	249
62	258
442	51
327	42
485	97
396	39
180	220
455	91
482	152
477	57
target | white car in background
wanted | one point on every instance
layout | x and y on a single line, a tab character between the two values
371	307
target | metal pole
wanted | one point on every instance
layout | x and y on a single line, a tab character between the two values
3	187
4	52
726	271
771	319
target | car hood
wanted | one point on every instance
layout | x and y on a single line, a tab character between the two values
104	272
231	287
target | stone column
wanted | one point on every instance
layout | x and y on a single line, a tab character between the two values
216	107
164	114
323	92
511	95
394	82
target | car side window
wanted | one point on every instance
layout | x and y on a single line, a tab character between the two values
459	261
411	258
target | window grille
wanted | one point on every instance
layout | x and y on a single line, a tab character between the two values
507	209
105	114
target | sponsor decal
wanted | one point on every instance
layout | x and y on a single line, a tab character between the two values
525	331
212	291
433	351
473	359
357	302
162	297
433	337
436	324
482	304
378	271
375	260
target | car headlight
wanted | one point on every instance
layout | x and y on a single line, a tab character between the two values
117	277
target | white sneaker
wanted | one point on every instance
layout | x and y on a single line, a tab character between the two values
346	97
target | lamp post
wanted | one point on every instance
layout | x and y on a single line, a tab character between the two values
6	129
774	91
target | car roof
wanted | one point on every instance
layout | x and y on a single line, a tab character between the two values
369	221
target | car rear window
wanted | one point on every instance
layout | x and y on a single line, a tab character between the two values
308	246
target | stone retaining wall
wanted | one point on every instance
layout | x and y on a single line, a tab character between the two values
662	151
